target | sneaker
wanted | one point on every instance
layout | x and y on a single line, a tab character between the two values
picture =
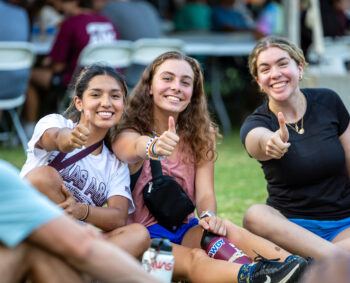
272	271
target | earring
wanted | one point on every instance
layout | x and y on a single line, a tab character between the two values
300	77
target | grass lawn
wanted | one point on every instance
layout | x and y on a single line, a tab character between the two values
239	181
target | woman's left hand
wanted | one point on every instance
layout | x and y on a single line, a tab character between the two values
214	224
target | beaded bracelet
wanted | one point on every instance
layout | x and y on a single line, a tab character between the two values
148	145
86	213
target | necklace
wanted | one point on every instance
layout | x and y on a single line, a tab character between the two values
296	128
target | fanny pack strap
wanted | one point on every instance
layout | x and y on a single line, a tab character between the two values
58	164
156	168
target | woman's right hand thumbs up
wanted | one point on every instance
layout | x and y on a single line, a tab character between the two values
166	143
277	145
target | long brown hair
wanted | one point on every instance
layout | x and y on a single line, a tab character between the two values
194	124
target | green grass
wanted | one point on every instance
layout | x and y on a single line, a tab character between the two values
239	181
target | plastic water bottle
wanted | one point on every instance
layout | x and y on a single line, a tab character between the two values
158	260
219	247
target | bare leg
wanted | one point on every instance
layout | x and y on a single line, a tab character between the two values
46	268
13	265
31	106
252	244
48	181
40	79
193	237
133	238
278	229
76	244
194	265
332	269
343	239
243	239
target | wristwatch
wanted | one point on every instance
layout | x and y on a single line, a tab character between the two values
206	213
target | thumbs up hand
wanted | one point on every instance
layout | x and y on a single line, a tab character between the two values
277	145
167	142
283	131
81	132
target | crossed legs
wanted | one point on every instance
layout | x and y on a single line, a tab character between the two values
133	238
292	237
87	252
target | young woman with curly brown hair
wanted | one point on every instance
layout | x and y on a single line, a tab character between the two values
167	118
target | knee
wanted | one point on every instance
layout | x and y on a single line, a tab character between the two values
142	234
134	238
253	217
48	181
143	238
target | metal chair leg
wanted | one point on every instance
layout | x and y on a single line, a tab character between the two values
20	131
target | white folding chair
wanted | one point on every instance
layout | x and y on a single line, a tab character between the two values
147	49
116	54
16	60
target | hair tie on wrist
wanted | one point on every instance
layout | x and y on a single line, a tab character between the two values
86	213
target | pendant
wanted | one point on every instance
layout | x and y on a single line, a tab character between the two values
301	131
296	128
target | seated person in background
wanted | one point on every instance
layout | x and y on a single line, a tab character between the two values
270	18
82	26
52	243
46	18
97	178
134	19
226	18
194	15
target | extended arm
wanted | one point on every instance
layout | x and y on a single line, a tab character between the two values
131	147
263	144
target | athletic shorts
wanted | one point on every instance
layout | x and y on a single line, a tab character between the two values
158	231
326	229
22	208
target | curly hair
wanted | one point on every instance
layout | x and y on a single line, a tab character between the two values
194	124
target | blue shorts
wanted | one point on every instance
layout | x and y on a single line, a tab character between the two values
158	231
326	229
22	208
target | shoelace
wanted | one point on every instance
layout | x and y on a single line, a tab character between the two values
260	258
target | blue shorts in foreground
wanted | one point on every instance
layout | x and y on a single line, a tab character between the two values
22	208
326	229
158	231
